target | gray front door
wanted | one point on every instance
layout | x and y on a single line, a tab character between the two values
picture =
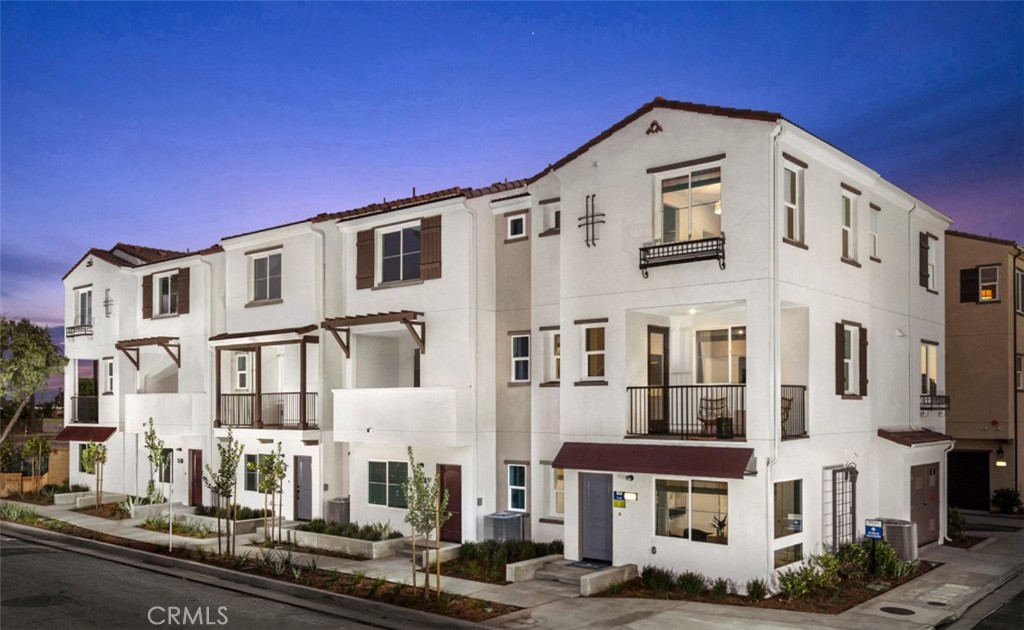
924	501
596	517
303	488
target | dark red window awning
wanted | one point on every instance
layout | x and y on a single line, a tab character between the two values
84	434
688	461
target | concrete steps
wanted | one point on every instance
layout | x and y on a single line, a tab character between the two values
559	572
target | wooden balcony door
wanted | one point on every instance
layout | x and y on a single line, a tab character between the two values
657	379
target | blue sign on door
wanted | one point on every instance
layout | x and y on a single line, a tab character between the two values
873	529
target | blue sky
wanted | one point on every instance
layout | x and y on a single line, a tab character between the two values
174	124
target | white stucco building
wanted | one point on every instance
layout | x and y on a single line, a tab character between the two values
699	340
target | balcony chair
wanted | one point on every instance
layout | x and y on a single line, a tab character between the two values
710	410
787	408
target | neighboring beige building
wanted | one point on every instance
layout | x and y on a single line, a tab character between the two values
984	357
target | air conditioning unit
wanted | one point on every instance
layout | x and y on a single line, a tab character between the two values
902	535
338	511
502	526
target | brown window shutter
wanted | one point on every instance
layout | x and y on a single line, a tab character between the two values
430	247
923	258
969	285
147	296
863	361
183	290
839	360
364	259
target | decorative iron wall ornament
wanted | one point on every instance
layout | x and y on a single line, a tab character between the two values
590	219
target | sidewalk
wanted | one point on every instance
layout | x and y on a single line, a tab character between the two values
935	599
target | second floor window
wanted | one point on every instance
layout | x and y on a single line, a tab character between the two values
849	209
554	357
691	206
988	284
1019	371
83	308
929	368
722	355
400	254
520	358
593	352
1019	290
793	202
242	379
851	360
166	287
266	277
873	233
108	376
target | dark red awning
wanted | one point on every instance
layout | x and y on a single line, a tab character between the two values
689	461
912	437
84	434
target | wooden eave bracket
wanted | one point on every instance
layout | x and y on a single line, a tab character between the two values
421	337
128	352
344	343
175	354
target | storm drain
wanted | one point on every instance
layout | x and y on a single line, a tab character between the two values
896	610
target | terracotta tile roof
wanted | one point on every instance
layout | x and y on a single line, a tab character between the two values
147	254
660	103
979	237
689	461
910	437
102	255
516	196
84	434
496	187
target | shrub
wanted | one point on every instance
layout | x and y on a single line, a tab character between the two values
1006	500
757	589
955	523
692	583
657	579
79	487
244	513
854	560
18	513
798	582
469	551
719	588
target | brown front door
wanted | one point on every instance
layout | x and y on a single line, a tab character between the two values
195	477
924	501
657	379
451	480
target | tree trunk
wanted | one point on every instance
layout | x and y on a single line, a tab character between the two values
414	557
14	419
437	528
234	522
216	512
264	515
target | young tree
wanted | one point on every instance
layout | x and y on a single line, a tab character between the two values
270	472
278	471
223	484
34	449
27	358
157	461
93	458
427	510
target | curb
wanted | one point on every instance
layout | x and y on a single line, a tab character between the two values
991	587
356	609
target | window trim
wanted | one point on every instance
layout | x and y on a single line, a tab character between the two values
690	510
857	361
512	220
848	230
512	488
108	376
387	482
586	354
79	294
514	360
672	171
994	284
729	332
554	356
874	220
378	258
799	493
555	492
246	371
929	355
266	255
173	280
798	237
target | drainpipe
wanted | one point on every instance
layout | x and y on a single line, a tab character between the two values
773	354
210	376
1016	396
910	267
474	346
321	316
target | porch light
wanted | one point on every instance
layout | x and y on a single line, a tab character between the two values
1000	458
718	207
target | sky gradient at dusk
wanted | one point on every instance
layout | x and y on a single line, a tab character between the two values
172	125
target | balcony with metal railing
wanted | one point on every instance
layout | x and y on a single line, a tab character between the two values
680	252
280	410
81	328
85	409
934	402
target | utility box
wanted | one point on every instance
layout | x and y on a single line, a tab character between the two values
338	510
502	526
902	535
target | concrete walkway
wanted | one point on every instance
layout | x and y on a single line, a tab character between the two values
936	598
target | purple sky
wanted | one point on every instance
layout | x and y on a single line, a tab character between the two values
172	125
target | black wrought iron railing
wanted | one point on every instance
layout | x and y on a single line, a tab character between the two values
934	402
689	411
282	410
794	411
683	252
85	409
80	329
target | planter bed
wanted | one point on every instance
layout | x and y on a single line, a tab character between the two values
247	526
316	551
71	498
351	546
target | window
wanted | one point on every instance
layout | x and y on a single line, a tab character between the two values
554	344
558	491
793	202
400	253
416	367
876	214
933	268
697	510
1019	371
851	359
849	207
266	275
253	472
516	226
81	458
242	372
1019	290
108	376
520	358
167	466
166	287
83	307
929	368
593	352
517	487
988	284
721	355
691	206
789	555
385	483
789	513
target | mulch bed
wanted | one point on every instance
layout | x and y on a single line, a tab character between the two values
36	498
851	593
449	604
472	570
316	551
965	542
111	511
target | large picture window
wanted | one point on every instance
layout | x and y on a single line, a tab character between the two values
385	483
721	355
789	513
691	206
695	510
400	253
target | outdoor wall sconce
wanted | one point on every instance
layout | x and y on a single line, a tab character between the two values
1000	457
629	477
